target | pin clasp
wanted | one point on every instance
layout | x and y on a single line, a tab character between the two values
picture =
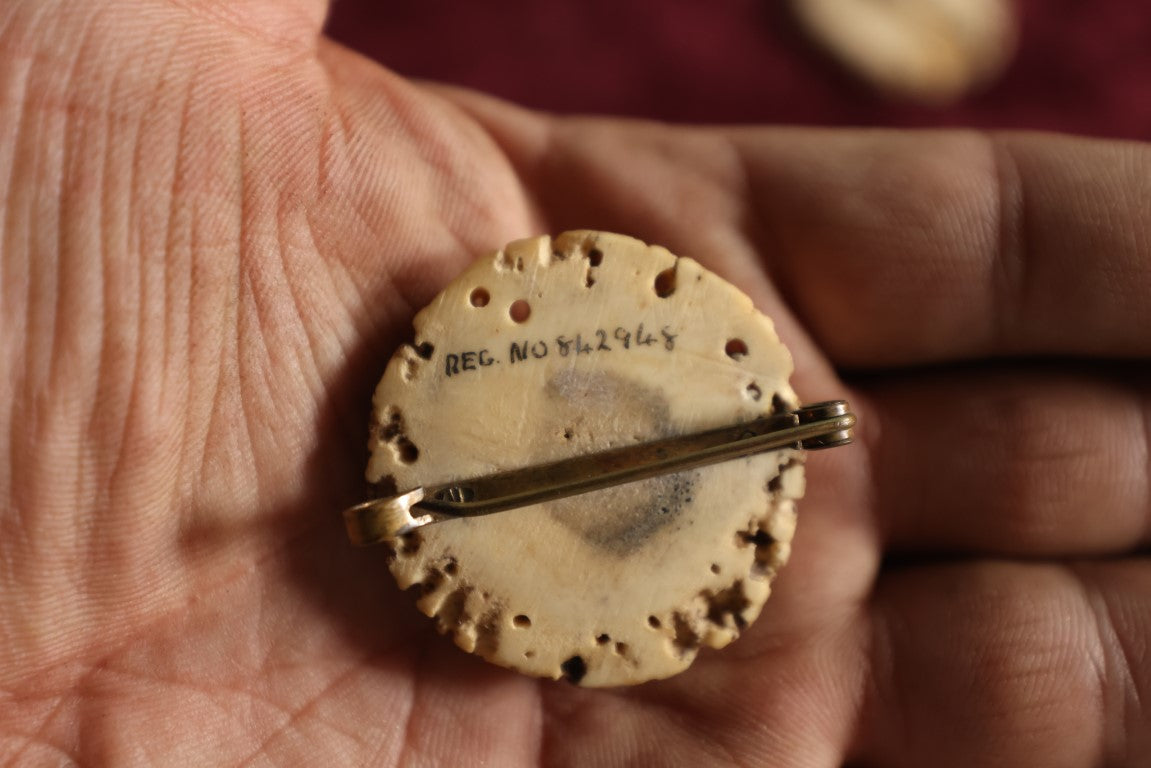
810	427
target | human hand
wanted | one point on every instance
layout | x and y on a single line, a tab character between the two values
216	226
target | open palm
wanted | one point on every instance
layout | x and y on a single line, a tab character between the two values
215	227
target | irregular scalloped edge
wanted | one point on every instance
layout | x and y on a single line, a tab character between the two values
772	534
475	620
716	617
713	618
387	429
472	618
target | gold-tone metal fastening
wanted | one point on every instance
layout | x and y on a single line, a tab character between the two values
820	425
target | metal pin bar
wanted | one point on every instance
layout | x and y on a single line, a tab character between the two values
821	425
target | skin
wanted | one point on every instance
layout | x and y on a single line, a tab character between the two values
216	226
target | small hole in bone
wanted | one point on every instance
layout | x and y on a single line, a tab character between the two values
621	648
409	545
715	567
520	311
425	351
735	348
522	621
574	669
452	568
754	392
480	297
665	283
595	257
406	451
653	622
603	639
760	538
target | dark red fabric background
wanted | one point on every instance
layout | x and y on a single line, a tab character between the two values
1083	66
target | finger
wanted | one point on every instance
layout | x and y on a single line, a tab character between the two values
1032	462
901	249
1009	664
893	248
181	200
410	190
677	187
794	705
461	706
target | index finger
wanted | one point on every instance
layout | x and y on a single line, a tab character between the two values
904	249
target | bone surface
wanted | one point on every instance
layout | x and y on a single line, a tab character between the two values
552	348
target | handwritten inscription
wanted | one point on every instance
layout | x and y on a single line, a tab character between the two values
468	361
599	341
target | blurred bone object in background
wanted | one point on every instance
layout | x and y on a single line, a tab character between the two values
928	51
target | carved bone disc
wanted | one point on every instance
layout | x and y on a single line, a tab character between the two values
551	348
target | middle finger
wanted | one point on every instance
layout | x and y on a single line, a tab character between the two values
1019	462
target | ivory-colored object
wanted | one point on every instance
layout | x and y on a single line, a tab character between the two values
933	51
552	348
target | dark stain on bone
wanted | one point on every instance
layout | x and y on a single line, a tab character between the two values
389	430
617	520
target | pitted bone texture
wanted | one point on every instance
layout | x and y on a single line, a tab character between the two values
553	348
